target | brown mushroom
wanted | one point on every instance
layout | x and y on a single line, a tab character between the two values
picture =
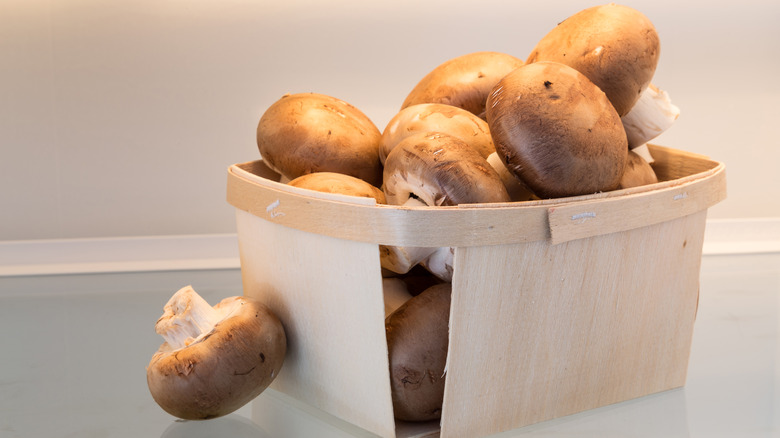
417	341
435	169
557	131
331	182
309	132
214	359
436	117
638	172
615	46
464	81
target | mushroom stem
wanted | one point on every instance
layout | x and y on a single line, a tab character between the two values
400	259
652	114
186	317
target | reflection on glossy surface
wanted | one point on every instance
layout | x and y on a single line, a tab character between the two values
75	348
233	426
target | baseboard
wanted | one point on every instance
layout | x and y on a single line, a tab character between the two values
220	251
117	255
741	236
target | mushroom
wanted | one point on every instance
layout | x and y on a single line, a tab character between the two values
557	131
309	132
514	186
395	293
417	342
435	169
464	81
214	359
615	46
331	182
638	172
436	117
652	114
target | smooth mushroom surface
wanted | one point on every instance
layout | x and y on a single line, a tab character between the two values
418	340
638	172
214	359
464	81
615	46
331	182
437	117
309	132
557	131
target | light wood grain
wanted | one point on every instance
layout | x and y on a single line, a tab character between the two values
328	294
550	315
464	225
539	331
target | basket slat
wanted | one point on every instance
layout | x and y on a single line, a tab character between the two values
540	331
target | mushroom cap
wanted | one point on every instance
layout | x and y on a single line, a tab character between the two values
556	131
464	81
223	370
331	182
615	46
418	340
440	169
309	132
436	117
638	172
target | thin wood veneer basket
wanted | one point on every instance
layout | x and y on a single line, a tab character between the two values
558	306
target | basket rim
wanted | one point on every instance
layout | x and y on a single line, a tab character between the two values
252	188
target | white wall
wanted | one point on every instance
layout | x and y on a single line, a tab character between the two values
120	118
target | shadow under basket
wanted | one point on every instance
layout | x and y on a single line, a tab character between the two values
558	306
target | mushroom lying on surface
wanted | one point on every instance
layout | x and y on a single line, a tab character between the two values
464	81
309	132
563	137
435	169
214	359
436	117
615	46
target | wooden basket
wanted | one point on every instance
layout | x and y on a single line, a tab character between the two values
558	306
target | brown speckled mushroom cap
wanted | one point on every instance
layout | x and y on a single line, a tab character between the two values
331	182
309	132
225	368
440	169
437	117
556	131
615	46
464	81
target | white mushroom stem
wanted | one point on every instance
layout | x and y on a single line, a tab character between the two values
652	114
517	191
441	263
186	317
400	259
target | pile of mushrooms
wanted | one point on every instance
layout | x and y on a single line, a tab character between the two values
486	127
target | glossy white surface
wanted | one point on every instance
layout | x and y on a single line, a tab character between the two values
74	349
